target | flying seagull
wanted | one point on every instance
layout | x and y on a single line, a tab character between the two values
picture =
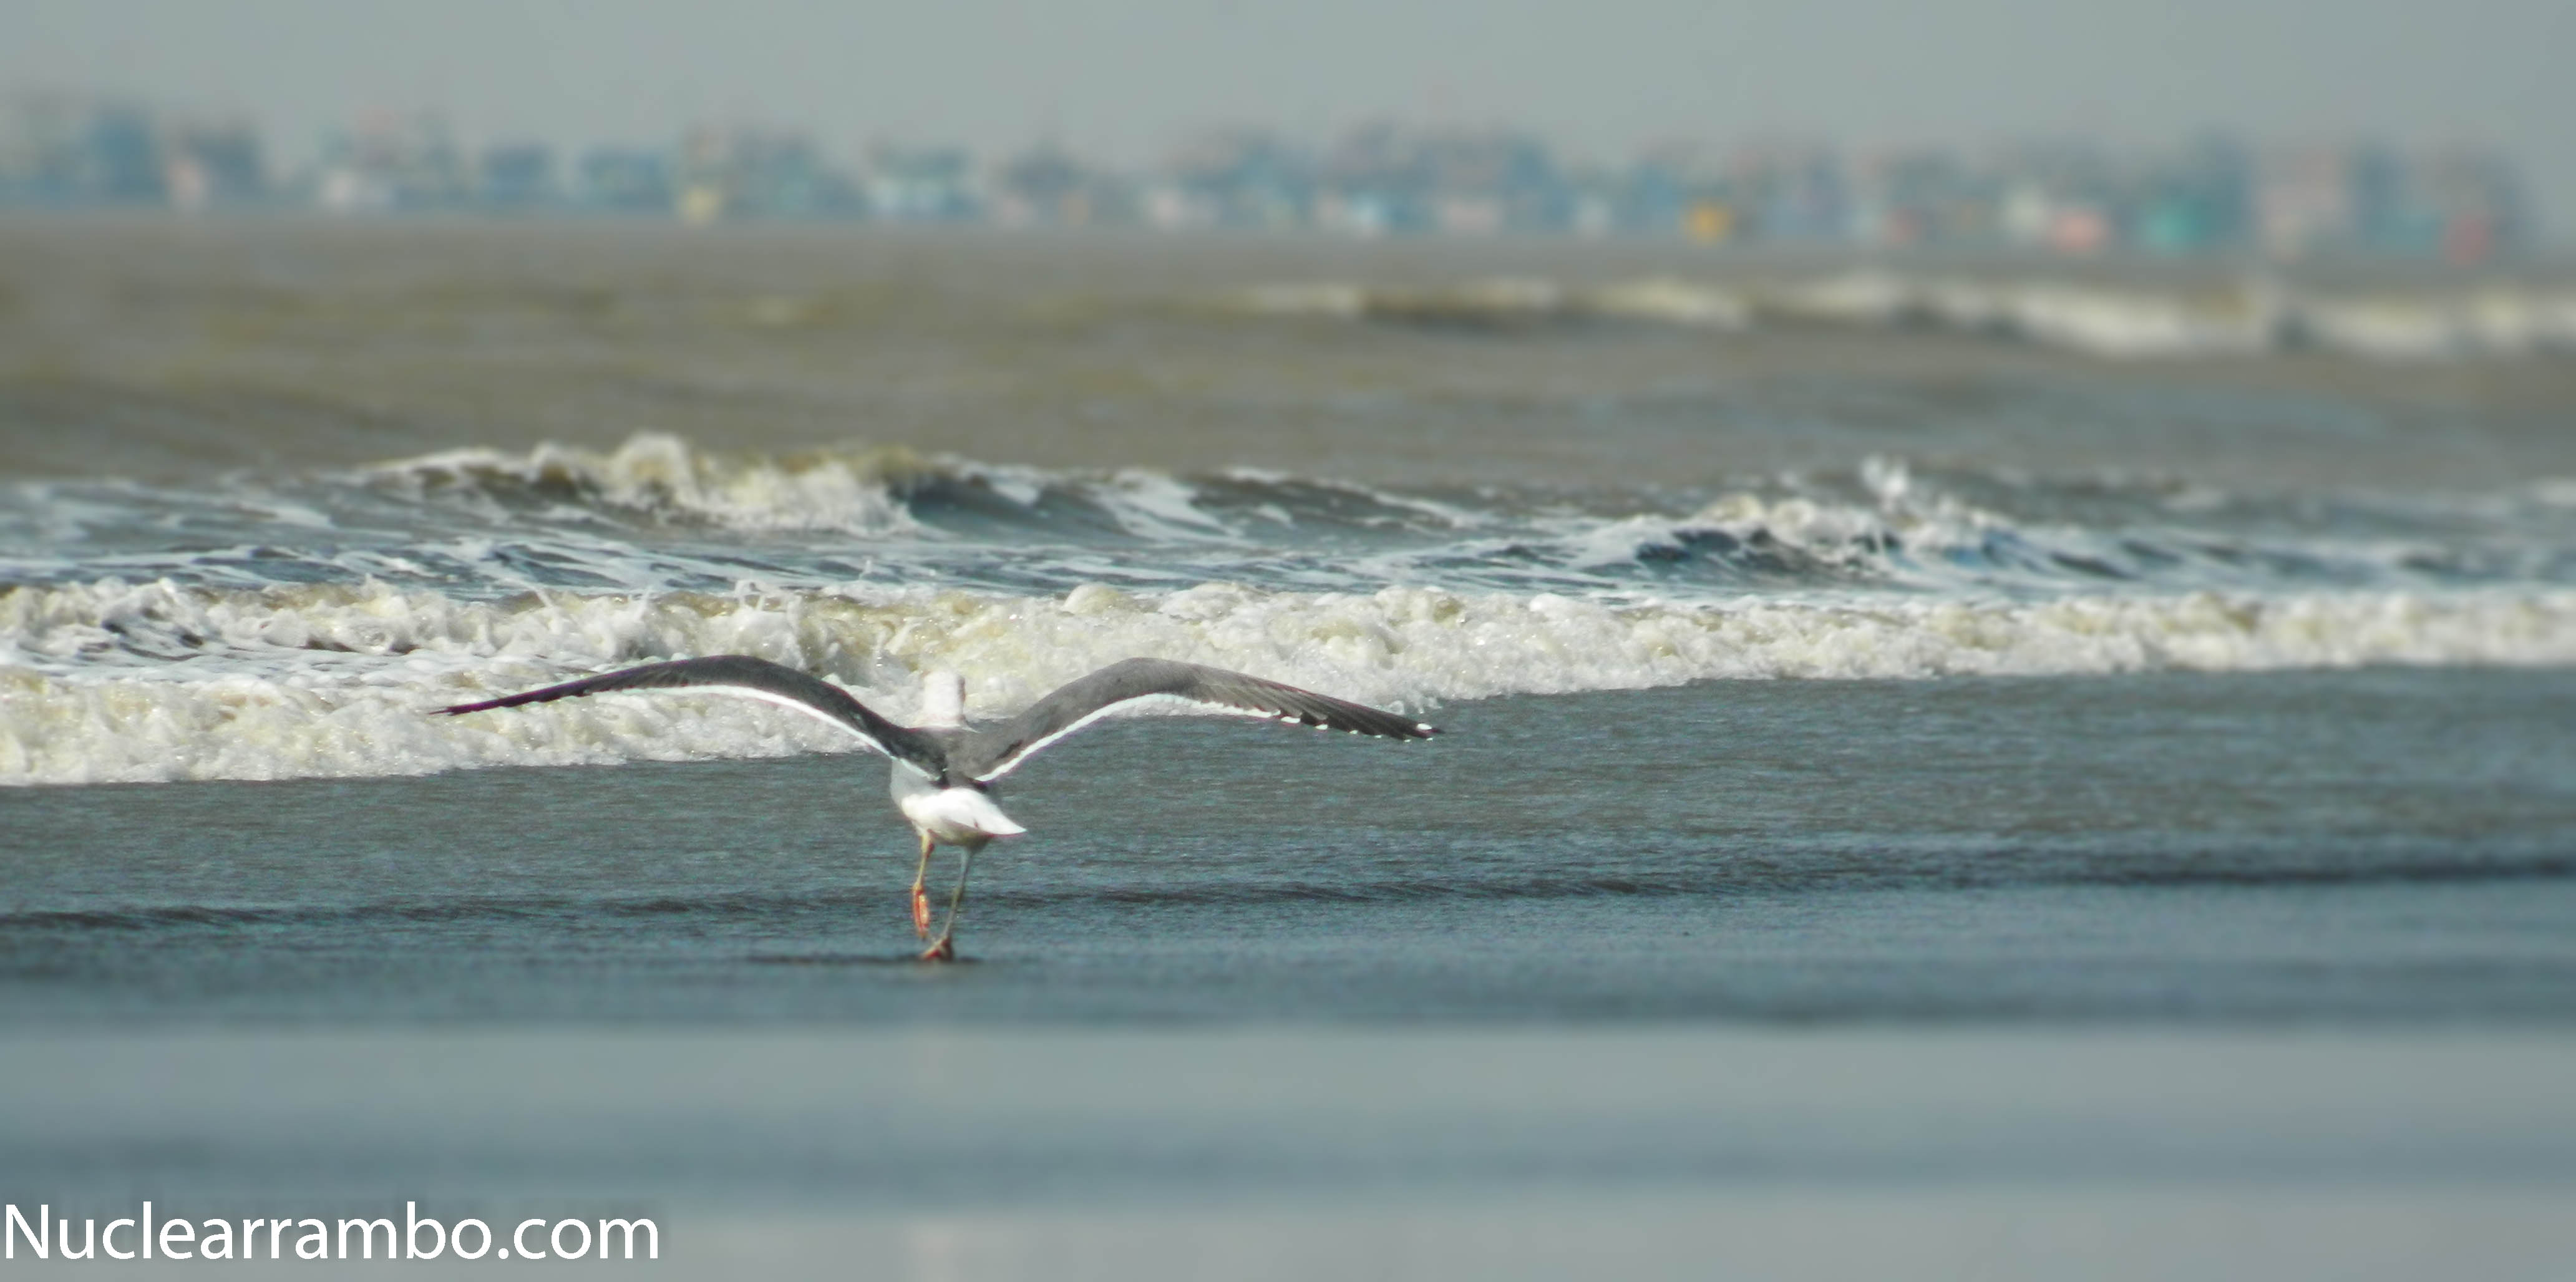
942	769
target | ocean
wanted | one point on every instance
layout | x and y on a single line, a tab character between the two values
2002	767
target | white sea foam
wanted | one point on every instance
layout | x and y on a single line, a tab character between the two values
852	490
2254	316
485	523
861	490
1507	300
114	681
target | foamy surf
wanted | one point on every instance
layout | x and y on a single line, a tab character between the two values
278	626
854	490
116	682
2252	317
658	514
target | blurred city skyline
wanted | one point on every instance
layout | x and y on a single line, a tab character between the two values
1130	84
2214	194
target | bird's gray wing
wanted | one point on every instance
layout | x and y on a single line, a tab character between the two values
741	674
995	750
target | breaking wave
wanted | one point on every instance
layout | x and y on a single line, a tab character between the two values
116	681
858	490
2250	317
260	627
659	514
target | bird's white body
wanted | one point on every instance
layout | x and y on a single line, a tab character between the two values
955	816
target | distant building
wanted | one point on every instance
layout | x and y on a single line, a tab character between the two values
2212	195
750	172
1381	178
1044	186
1788	192
2196	201
2305	199
2062	197
1047	186
1238	178
516	177
921	185
66	150
1592	193
213	163
1923	196
1492	180
1673	188
393	161
624	180
40	146
120	162
2463	205
1372	183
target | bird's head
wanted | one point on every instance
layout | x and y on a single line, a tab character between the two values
943	700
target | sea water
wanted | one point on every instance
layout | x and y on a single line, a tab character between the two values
2139	700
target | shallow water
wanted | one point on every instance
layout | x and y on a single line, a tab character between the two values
2389	844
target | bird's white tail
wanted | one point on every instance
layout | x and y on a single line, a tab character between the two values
958	814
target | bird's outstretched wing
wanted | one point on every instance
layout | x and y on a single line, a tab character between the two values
741	674
996	750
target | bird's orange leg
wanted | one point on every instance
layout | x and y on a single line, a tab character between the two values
921	900
946	947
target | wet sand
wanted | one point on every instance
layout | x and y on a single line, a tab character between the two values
1301	1151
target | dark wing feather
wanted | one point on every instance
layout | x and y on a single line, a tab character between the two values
757	676
995	750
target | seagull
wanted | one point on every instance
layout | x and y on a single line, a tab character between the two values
943	770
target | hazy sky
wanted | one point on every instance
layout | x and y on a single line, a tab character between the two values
1127	77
